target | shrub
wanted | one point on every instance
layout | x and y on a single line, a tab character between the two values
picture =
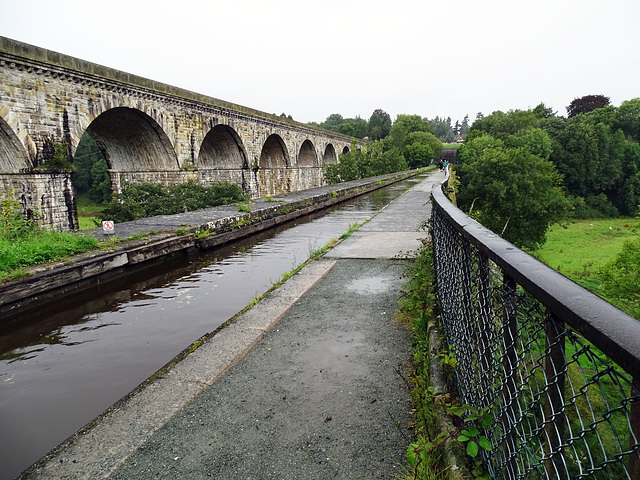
142	200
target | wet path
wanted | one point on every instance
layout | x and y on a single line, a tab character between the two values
62	368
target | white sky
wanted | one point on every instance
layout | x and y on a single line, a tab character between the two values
312	59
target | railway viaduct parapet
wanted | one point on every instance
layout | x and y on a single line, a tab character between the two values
146	130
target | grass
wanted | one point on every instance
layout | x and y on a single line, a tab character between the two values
88	211
580	249
39	247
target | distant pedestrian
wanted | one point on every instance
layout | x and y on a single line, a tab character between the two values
440	164
444	166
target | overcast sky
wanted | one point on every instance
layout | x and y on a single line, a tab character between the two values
310	59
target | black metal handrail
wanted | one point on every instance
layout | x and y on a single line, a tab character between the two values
523	336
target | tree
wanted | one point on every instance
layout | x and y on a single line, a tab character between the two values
379	124
513	191
591	160
628	119
333	122
371	161
465	127
100	190
627	195
442	129
403	126
542	111
621	278
586	104
346	128
420	148
87	177
360	127
501	125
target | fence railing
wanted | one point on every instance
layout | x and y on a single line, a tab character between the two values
557	367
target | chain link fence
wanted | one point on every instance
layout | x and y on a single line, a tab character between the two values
557	368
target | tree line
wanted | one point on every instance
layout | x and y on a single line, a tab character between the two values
524	170
379	126
409	143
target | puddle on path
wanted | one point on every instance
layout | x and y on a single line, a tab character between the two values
369	285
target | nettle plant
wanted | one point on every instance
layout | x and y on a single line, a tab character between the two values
472	432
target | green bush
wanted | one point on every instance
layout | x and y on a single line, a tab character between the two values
595	206
371	161
142	200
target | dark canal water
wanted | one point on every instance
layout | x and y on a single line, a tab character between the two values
63	365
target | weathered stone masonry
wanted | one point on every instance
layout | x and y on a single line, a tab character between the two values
147	131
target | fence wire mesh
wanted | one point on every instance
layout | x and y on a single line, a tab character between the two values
561	408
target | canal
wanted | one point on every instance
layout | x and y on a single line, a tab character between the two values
62	365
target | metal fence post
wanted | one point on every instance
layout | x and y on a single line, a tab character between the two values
554	417
634	414
510	367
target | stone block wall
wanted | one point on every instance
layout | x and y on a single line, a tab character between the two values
47	197
148	131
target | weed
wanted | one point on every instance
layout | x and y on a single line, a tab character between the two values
60	160
203	234
352	228
24	244
416	305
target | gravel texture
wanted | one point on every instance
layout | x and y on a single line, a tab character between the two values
319	396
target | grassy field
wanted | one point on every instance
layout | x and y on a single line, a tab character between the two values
88	210
579	250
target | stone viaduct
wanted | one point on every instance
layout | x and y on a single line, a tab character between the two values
147	132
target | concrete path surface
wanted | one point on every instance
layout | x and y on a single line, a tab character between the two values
308	384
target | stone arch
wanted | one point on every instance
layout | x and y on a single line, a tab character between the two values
330	154
346	149
132	141
222	148
307	156
13	156
274	153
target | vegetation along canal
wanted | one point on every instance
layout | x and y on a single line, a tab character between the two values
64	365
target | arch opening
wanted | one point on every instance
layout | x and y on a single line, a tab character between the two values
13	155
274	153
90	179
307	156
330	155
132	141
222	149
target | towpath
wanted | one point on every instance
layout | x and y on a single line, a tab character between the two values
307	384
